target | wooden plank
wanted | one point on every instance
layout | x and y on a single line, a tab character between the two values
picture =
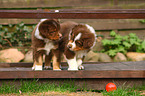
24	64
75	14
111	24
98	24
72	3
16	21
103	70
73	74
90	65
138	65
50	3
140	33
116	25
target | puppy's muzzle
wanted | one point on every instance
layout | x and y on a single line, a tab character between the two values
69	45
60	36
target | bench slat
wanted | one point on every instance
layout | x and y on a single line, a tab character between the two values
75	14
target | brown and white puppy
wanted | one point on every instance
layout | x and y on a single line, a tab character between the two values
77	41
45	39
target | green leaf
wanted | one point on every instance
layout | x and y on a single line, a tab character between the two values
6	29
1	40
105	42
125	38
26	28
112	33
33	26
132	35
9	35
10	25
17	28
121	49
139	49
143	45
118	37
2	33
12	40
132	41
21	24
103	50
142	21
138	40
1	26
115	42
112	52
20	44
126	44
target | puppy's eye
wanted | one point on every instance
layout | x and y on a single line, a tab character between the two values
51	32
72	34
79	43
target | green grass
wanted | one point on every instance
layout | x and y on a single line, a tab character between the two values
33	86
135	91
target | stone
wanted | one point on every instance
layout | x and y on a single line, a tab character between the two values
135	56
103	57
11	55
120	57
91	57
29	56
98	46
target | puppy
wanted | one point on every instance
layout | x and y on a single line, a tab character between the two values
45	39
77	41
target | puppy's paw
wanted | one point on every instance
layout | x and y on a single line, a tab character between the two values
81	67
33	68
47	67
38	67
57	69
72	69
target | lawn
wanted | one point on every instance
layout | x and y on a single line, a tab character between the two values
67	88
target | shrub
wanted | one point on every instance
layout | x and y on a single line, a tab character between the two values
123	44
19	36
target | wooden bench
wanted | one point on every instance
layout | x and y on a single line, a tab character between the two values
96	75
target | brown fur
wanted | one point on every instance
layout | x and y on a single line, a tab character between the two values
85	43
49	30
87	39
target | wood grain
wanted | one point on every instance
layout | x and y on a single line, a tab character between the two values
94	70
75	14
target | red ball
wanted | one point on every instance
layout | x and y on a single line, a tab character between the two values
110	87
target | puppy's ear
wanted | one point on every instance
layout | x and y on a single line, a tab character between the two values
47	23
55	23
57	20
44	25
77	27
88	43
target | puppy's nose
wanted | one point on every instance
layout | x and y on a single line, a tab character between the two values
60	36
69	45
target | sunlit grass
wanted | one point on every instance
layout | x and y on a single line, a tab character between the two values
33	86
122	91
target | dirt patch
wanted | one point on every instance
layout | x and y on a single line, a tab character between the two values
72	94
57	94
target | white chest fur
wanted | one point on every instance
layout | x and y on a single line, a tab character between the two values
48	46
